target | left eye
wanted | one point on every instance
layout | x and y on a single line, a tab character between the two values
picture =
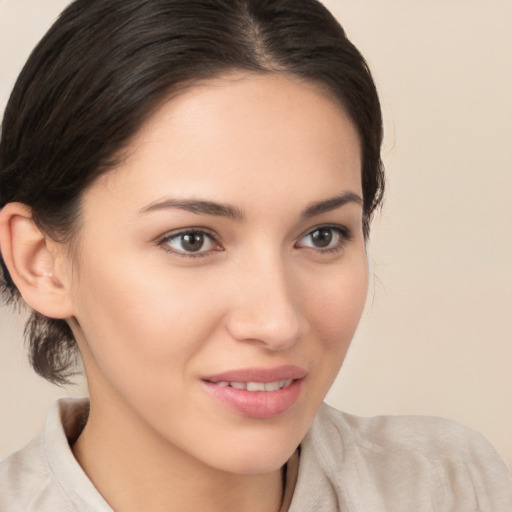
325	238
189	242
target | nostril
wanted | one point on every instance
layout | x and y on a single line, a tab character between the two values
274	328
263	307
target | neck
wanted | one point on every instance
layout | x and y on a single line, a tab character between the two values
135	469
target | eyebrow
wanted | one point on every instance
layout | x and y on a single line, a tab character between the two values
333	203
198	206
203	207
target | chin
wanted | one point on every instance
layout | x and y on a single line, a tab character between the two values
257	461
261	450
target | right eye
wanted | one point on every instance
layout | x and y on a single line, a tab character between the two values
190	243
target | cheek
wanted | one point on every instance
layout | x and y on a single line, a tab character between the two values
139	326
335	310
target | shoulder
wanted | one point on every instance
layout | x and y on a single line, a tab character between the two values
404	461
25	477
430	436
44	475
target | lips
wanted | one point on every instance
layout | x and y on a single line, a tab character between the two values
258	393
288	372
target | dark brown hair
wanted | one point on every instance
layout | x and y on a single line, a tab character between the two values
105	65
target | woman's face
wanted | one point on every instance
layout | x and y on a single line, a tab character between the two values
222	272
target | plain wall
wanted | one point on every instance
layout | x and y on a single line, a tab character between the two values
436	337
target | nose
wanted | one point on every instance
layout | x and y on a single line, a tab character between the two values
265	306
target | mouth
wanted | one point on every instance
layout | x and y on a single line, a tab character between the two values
258	393
256	386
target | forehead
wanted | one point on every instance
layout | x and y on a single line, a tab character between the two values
243	133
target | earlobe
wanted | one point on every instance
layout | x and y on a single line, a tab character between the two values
31	260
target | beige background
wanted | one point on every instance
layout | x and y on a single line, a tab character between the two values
437	335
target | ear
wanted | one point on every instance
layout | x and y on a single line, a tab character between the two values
34	262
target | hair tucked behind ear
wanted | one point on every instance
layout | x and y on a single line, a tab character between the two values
103	68
52	348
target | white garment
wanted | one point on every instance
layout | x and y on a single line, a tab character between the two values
347	463
398	464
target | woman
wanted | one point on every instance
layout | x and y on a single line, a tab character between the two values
186	192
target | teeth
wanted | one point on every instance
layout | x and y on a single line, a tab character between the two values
272	386
257	386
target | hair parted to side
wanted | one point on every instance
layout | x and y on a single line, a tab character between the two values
106	65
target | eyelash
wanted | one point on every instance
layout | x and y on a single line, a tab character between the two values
189	231
344	234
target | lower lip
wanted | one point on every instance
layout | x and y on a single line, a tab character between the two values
257	404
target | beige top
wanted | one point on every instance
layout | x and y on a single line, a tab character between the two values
347	463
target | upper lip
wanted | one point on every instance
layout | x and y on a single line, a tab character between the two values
259	374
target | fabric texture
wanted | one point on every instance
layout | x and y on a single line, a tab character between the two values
398	464
346	464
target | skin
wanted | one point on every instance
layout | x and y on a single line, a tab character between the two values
152	321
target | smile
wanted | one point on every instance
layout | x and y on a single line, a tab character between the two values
257	393
257	386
